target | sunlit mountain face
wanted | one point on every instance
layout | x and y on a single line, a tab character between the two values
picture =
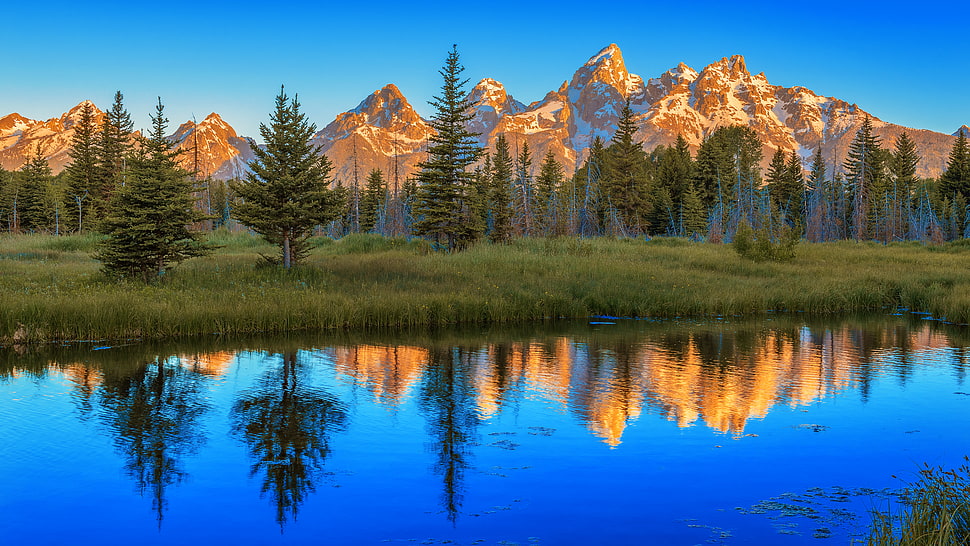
384	131
684	430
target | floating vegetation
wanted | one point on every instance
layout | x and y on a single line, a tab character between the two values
937	512
812	427
541	431
813	508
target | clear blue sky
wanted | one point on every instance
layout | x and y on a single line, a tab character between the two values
905	65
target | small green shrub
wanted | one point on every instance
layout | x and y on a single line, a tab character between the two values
762	245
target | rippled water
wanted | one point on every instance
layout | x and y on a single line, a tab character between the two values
775	432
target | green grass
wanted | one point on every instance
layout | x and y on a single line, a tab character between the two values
937	512
50	288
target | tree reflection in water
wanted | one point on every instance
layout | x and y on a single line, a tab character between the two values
286	424
447	400
155	412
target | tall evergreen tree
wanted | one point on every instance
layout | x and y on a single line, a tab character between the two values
82	172
727	166
113	146
34	205
956	178
675	169
523	195
864	171
548	183
501	192
286	193
443	206
147	226
624	183
693	218
584	195
791	195
372	201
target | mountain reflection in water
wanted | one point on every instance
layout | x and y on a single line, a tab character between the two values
291	411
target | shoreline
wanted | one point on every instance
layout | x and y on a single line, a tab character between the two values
53	291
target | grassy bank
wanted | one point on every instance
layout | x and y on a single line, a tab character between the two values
937	512
50	289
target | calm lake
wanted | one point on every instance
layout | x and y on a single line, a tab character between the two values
780	431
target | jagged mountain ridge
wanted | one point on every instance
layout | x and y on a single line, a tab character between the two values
384	131
221	152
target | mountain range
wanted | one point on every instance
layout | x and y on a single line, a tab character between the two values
384	131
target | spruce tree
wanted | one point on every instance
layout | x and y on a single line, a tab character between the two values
693	217
586	209
501	192
82	172
956	178
286	193
33	205
523	194
147	226
727	166
791	196
444	205
113	146
675	168
372	201
548	183
624	183
864	171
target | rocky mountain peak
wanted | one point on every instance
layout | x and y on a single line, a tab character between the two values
964	128
604	68
11	123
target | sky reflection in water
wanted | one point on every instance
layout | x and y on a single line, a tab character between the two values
668	433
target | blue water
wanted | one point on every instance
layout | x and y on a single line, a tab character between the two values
720	432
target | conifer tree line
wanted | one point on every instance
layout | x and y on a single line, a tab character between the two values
125	185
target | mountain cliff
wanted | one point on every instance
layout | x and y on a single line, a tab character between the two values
384	131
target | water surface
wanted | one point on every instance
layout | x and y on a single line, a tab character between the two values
683	432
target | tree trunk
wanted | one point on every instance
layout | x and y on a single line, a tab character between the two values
286	251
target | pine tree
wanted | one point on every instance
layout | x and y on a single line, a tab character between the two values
624	182
501	192
956	178
675	169
442	206
82	172
147	226
902	168
692	212
34	208
548	183
727	167
791	196
864	171
286	193
523	194
586	210
112	146
372	201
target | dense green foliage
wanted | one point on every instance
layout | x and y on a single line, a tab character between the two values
82	171
147	224
286	194
51	286
448	202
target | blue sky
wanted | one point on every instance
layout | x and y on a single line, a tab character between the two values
905	65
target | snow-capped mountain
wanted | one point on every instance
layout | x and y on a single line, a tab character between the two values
679	101
385	132
21	138
221	152
382	132
213	148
